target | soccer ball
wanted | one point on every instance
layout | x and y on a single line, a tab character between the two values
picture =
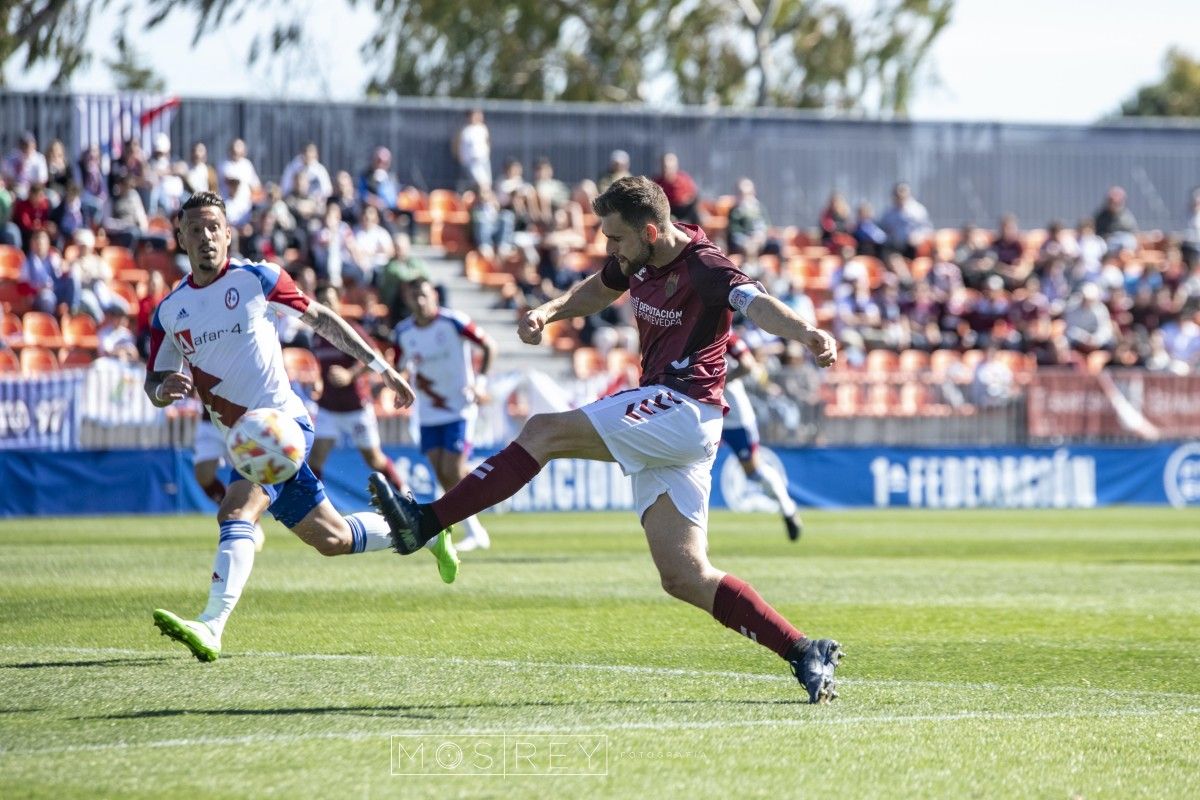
267	446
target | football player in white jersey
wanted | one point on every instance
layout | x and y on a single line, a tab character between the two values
740	432
217	324
435	346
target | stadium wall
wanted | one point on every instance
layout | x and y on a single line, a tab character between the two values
39	483
961	171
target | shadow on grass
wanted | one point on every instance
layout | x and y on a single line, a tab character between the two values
95	662
425	712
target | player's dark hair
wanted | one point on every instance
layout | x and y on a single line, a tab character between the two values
637	200
202	199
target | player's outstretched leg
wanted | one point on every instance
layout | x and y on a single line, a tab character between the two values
775	487
678	547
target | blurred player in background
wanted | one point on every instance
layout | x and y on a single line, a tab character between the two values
217	324
740	432
435	346
666	432
345	410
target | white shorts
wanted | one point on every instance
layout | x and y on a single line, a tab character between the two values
665	441
358	427
209	444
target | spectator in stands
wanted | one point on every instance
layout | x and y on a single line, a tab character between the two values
307	162
1115	223
115	338
130	164
892	328
854	310
129	221
158	166
975	256
837	230
58	172
473	151
682	194
618	167
749	227
378	185
992	307
155	290
375	246
1089	326
38	273
1182	339
201	177
1007	247
335	252
96	297
512	192
346	197
491	225
68	215
94	185
906	223
403	268
1048	342
262	239
1191	231
10	234
548	195
239	182
25	166
32	213
920	315
555	244
1157	358
798	299
869	238
992	383
169	193
1060	245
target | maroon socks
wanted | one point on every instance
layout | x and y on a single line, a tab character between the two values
498	478
739	607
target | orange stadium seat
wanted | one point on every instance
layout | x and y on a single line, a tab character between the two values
972	359
11	259
127	292
586	362
118	258
80	331
11	330
78	357
881	364
37	360
41	329
913	362
12	298
9	363
942	362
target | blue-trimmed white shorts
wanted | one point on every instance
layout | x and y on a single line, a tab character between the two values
743	441
294	498
453	437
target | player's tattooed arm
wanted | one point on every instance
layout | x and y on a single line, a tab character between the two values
775	317
164	388
589	296
338	332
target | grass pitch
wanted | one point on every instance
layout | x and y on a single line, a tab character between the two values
992	654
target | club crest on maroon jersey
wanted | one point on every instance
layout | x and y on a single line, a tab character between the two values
672	283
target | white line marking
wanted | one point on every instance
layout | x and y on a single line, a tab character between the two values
354	736
624	669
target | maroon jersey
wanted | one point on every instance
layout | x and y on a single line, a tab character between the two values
683	316
354	396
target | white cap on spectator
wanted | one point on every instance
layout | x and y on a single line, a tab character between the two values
85	238
162	143
618	156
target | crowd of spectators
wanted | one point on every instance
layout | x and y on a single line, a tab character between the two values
1098	292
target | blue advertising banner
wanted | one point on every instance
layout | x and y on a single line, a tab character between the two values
40	412
160	481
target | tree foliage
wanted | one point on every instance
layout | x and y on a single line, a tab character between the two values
1176	94
788	53
47	31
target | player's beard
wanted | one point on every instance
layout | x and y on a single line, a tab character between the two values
632	265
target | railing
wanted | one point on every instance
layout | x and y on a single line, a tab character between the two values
103	407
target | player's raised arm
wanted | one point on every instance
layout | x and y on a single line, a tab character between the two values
589	296
775	317
339	333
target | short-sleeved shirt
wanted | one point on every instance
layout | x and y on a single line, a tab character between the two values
225	333
355	395
440	358
683	316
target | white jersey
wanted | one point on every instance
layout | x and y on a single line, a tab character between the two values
438	356
741	413
225	332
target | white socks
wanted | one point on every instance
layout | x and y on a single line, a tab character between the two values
774	487
369	532
231	570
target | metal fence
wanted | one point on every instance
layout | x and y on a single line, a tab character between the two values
961	171
103	407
